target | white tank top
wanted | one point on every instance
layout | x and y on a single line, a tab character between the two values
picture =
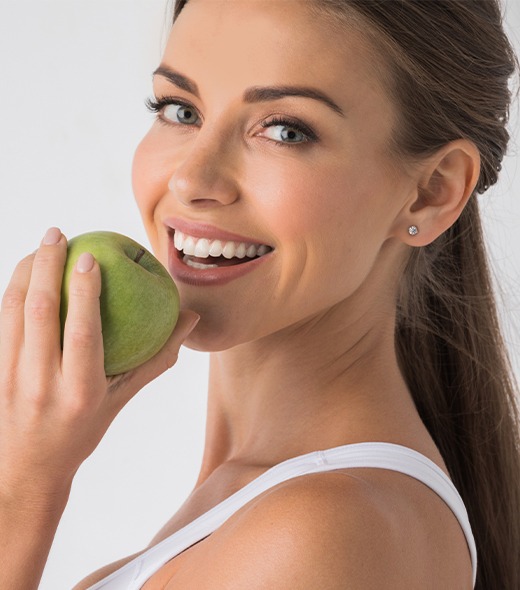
381	455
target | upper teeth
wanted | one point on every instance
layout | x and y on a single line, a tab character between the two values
202	248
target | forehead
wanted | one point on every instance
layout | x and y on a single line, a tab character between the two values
234	42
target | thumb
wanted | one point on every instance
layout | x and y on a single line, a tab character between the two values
185	325
136	379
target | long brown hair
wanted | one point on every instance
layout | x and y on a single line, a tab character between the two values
450	63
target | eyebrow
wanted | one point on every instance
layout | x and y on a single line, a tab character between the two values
253	94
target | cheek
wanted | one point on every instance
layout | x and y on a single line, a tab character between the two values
145	177
290	195
321	201
150	175
335	216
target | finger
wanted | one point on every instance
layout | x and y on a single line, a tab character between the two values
42	305
125	386
12	310
82	364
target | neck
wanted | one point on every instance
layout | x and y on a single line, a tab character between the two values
315	385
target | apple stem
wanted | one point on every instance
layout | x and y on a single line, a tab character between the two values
139	255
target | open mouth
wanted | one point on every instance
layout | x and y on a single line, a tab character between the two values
202	253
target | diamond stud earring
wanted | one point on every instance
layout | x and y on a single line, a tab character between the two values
413	230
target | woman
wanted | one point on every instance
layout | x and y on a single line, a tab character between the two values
311	184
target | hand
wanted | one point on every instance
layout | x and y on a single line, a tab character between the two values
56	405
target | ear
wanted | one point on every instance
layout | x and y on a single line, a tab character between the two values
445	183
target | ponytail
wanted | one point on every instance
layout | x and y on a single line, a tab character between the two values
454	360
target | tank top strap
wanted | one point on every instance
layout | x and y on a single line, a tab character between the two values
409	462
368	454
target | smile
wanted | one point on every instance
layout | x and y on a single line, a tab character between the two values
212	260
202	253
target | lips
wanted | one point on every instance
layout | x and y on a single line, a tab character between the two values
200	254
217	251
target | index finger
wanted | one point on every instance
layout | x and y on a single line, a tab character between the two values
83	357
42	306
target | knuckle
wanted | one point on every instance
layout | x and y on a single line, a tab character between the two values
41	307
45	257
13	300
78	405
8	382
81	335
82	290
25	263
84	397
38	398
38	393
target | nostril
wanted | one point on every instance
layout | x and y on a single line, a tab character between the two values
201	187
204	203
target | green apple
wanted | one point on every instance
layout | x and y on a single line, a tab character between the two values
139	300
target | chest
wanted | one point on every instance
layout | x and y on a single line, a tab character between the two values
430	537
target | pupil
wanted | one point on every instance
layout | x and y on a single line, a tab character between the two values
290	135
186	113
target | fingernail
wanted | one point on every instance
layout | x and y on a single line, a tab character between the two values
52	236
195	322
85	262
191	326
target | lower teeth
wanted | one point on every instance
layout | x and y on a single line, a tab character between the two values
198	265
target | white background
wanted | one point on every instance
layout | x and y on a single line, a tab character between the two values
74	76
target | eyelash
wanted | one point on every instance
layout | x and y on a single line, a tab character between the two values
156	106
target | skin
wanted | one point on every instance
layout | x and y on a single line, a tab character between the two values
302	354
336	211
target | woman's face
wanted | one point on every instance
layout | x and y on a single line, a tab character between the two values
319	189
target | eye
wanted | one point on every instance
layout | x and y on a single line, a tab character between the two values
180	113
287	132
170	110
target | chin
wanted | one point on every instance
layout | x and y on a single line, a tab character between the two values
203	345
207	338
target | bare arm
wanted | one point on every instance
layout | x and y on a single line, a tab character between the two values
26	535
55	406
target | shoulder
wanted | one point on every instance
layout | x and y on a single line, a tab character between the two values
314	531
328	528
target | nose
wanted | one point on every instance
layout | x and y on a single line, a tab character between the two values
204	177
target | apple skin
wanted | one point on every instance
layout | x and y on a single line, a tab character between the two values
139	301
